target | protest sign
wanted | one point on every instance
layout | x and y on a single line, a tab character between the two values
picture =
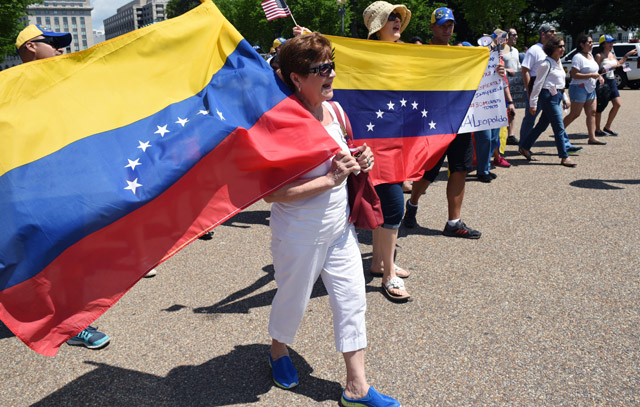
488	109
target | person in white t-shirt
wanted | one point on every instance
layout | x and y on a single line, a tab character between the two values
582	91
532	59
547	90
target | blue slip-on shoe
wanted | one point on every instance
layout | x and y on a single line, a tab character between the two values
372	399
284	374
90	338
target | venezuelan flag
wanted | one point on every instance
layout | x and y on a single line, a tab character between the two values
405	101
115	158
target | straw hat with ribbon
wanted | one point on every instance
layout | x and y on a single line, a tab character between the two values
377	14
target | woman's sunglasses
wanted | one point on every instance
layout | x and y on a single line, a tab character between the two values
324	69
393	16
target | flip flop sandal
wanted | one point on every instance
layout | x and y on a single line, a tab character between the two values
395	283
397	268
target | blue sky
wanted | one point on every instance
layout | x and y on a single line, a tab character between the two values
103	9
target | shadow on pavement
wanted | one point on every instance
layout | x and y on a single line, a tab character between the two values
242	301
249	218
238	377
603	184
5	332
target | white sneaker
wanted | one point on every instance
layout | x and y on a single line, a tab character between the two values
151	273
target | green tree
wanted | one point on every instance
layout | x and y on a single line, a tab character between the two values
12	15
476	18
179	7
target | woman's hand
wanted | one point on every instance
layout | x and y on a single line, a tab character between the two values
297	31
532	110
500	69
365	158
595	75
342	165
600	79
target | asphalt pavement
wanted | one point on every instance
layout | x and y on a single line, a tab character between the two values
543	310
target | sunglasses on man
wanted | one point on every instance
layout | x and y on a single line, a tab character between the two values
47	40
323	69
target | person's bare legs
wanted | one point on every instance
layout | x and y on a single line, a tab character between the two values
357	386
278	349
455	194
384	246
590	111
574	113
615	106
598	116
418	188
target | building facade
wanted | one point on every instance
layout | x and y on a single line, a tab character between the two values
134	15
72	16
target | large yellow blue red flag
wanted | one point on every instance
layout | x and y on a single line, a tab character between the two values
405	101
115	158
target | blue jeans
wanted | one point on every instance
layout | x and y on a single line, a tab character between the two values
551	108
527	126
486	142
392	204
527	123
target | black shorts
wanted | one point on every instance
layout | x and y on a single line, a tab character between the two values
460	156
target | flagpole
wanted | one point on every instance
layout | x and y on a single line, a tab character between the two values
294	20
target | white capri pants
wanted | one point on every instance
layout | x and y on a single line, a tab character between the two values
297	267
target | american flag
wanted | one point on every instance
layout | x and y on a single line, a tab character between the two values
275	9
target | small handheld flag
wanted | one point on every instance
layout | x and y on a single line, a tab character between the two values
275	9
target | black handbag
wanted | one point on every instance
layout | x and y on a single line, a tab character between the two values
603	94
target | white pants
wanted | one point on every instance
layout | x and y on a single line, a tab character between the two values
297	268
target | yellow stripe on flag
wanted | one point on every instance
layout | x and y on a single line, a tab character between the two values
48	104
378	65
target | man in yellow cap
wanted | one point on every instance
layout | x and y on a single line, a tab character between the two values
459	153
34	42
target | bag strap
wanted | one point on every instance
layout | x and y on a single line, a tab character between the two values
548	60
348	132
345	124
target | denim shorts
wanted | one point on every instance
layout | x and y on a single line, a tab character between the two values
392	203
579	94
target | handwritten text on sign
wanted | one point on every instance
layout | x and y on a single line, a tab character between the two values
488	109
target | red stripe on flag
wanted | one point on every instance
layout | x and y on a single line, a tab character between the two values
405	158
90	276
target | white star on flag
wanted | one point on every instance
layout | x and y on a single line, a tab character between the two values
390	105
133	164
203	112
424	113
220	114
133	185
370	126
415	105
432	125
162	130
379	113
144	146
182	122
403	103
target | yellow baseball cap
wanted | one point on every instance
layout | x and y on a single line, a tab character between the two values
32	31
